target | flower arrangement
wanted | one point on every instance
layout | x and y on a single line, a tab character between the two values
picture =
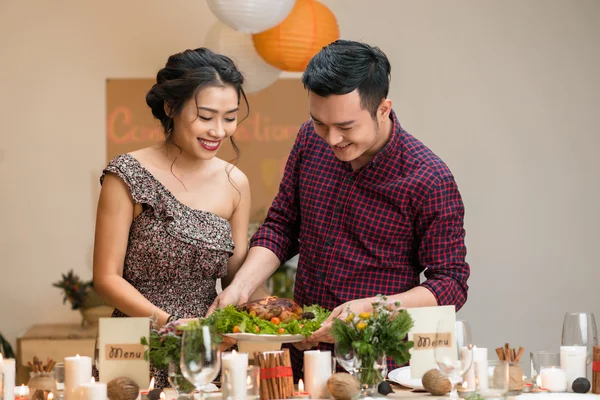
75	289
372	335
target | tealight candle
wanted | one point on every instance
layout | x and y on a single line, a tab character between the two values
21	393
144	393
300	394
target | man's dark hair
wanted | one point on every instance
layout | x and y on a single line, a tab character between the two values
345	65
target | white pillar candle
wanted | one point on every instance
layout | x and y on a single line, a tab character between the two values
469	376
78	370
573	360
480	362
553	379
236	365
317	370
7	369
92	391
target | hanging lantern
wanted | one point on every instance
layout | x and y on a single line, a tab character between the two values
290	45
251	16
238	46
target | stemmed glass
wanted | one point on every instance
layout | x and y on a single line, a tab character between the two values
200	356
453	351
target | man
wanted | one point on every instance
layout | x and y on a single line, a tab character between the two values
367	206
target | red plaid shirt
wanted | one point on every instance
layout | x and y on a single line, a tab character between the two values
370	231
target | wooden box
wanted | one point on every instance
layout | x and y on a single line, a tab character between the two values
56	341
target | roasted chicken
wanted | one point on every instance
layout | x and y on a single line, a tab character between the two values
284	309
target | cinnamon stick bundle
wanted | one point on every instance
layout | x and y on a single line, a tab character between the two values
275	374
507	354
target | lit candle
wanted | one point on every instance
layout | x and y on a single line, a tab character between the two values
144	393
317	370
553	379
162	396
92	391
78	370
50	396
21	393
469	376
235	368
573	360
480	362
7	369
300	394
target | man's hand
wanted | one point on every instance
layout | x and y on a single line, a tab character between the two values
232	294
323	334
227	343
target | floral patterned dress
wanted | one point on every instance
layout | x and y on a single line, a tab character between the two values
175	254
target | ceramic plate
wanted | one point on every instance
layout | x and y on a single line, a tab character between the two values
402	376
251	337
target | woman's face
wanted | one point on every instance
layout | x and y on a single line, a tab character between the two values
204	122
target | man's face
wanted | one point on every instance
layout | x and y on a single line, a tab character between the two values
351	132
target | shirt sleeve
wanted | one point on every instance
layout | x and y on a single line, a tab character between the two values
280	231
442	249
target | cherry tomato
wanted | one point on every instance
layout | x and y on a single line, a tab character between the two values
275	320
236	329
281	330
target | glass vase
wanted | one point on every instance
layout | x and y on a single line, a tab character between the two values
370	371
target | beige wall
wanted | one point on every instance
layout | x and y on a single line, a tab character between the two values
506	92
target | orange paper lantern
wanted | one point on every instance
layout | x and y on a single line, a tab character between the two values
290	45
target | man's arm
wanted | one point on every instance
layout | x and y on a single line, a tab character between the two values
442	251
276	240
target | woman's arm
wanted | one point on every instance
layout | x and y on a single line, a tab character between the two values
239	227
113	221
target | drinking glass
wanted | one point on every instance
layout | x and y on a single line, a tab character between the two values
542	359
453	351
579	329
200	356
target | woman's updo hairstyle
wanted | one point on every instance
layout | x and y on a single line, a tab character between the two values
184	75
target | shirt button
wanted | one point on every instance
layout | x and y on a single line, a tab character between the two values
350	178
329	242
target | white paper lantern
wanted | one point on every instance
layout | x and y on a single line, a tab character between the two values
251	16
238	46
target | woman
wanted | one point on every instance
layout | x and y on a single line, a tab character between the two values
173	218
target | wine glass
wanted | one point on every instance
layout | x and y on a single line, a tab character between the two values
200	356
346	358
453	351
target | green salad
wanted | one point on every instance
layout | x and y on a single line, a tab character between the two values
231	320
